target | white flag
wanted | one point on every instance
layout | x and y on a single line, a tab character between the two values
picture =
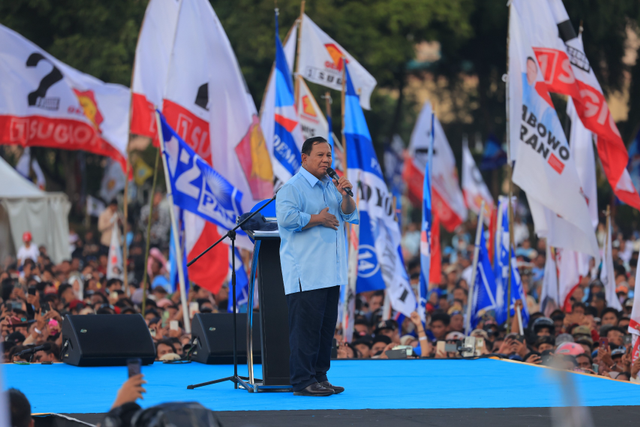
608	274
151	64
473	187
312	120
24	163
445	186
113	181
634	323
44	102
569	274
94	206
320	62
549	298
115	267
544	164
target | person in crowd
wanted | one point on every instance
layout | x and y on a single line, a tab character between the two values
28	250
160	221
19	409
107	218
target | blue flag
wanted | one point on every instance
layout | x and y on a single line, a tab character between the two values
393	164
196	186
379	262
286	131
493	156
242	283
484	288
501	272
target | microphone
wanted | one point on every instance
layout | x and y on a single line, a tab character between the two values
335	176
45	346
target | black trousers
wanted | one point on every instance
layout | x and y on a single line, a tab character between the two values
312	323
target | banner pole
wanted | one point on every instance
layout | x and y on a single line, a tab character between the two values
176	240
474	268
146	256
296	85
510	209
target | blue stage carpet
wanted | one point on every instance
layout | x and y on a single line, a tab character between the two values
384	384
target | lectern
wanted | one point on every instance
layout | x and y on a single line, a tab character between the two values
274	314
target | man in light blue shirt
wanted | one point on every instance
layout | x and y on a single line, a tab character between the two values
312	211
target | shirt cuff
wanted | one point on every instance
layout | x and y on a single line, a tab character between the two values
350	218
304	220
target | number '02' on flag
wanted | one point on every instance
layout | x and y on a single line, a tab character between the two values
196	186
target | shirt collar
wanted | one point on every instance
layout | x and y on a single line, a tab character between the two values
310	177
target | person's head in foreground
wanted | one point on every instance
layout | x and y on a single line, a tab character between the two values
20	409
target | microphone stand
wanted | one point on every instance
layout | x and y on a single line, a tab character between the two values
231	234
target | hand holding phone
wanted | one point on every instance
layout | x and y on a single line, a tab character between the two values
134	366
174	325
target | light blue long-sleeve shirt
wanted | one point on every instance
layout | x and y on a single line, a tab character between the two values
314	258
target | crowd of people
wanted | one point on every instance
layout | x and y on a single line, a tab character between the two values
591	337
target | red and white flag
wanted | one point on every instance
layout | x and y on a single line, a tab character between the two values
445	186
206	101
151	64
473	187
565	69
320	62
115	269
46	103
544	164
312	121
570	273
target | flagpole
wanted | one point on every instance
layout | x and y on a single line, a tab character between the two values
296	86
174	224
432	145
474	268
510	208
124	226
146	256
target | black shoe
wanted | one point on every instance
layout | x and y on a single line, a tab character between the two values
314	389
336	389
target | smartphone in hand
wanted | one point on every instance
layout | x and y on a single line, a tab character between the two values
134	366
604	343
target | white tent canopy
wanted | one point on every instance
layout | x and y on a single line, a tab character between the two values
24	207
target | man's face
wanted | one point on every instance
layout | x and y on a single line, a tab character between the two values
362	329
364	349
586	348
624	324
68	295
615	337
579	311
532	71
583	362
443	304
379	346
163	349
609	319
317	162
439	329
457	323
393	334
543	332
375	303
459	294
544	346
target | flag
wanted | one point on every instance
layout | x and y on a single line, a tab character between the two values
46	103
501	271
608	273
435	269
566	70
549	298
242	284
379	259
141	171
94	206
207	102
196	186
115	267
393	164
634	323
173	255
312	121
544	164
447	196
493	156
113	181
348	292
320	62
473	187
483	298
26	164
634	161
571	269
287	137
425	237
151	64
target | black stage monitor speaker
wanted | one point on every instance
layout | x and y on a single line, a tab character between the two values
106	340
214	335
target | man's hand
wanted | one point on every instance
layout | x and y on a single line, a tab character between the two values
130	391
342	184
605	356
327	220
635	368
534	359
415	318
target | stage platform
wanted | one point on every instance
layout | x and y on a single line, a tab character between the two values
382	392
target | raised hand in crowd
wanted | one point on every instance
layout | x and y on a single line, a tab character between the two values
635	368
130	391
533	359
425	344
